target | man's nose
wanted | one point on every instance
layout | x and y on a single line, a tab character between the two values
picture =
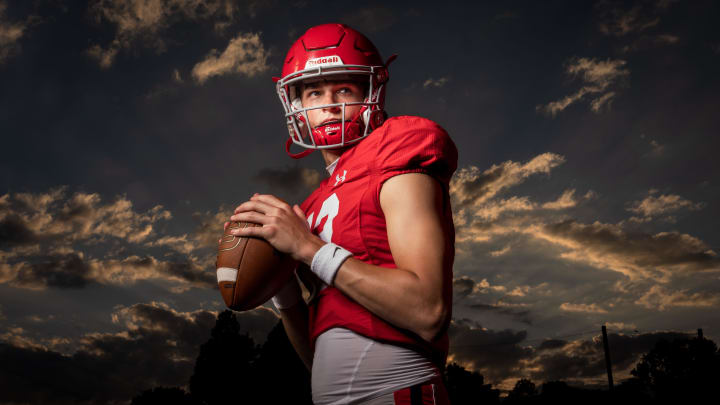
331	99
332	108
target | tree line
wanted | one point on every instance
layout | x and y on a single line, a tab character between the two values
232	369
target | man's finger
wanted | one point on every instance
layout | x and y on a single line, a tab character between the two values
252	217
270	200
251	231
299	212
254	205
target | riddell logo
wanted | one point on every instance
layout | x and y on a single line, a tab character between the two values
324	61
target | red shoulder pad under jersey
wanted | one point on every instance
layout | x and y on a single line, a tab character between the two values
415	144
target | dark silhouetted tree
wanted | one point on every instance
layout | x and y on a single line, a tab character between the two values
278	362
465	387
560	393
524	392
680	370
223	371
163	396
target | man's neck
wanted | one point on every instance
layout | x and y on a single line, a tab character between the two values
330	155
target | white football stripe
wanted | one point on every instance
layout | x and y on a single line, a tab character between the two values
227	274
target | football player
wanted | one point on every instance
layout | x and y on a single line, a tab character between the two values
376	237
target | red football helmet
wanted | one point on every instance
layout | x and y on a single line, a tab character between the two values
332	51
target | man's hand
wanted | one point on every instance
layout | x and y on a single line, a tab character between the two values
283	226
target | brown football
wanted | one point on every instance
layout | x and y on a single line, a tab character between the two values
249	270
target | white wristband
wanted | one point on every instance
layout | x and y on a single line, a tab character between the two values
288	296
327	262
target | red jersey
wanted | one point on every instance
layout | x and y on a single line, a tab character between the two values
345	209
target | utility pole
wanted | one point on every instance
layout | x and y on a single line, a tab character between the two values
700	335
608	365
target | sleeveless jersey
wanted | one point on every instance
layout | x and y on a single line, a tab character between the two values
345	209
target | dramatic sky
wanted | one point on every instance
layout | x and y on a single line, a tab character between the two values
587	191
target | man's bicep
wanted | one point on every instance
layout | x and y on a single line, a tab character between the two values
413	208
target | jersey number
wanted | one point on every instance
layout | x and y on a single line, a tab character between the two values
329	209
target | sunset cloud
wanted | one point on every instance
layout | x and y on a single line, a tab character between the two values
658	206
599	78
471	187
10	34
440	82
144	21
245	55
619	22
586	308
54	215
481	217
75	271
498	355
638	22
51	240
635	255
662	299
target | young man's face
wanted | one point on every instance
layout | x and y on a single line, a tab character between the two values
331	92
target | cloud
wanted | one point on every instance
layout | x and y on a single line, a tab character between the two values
565	201
72	271
104	57
653	207
470	187
183	326
651	41
582	361
10	34
598	77
210	226
39	231
144	21
499	299
583	308
435	82
635	255
635	21
158	347
52	240
291	179
176	76
244	55
662	299
497	355
619	22
505	356
546	231
32	218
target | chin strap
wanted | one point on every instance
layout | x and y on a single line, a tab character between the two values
300	155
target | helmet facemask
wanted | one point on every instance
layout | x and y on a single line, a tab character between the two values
334	135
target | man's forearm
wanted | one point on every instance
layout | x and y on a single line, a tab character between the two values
295	321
